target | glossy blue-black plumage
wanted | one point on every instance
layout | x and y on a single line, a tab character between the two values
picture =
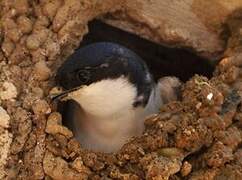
105	60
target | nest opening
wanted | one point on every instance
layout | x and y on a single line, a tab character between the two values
161	60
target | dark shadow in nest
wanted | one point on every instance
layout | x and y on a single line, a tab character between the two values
161	60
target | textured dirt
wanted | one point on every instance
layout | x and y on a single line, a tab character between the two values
198	137
195	24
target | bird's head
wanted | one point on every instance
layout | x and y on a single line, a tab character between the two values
104	78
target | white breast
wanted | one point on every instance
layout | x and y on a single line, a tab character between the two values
110	118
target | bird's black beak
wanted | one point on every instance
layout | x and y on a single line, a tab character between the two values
60	94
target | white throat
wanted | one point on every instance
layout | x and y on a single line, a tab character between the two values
106	97
110	118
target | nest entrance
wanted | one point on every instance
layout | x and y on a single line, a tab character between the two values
161	60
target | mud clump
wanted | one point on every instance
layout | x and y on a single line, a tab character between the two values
54	126
197	137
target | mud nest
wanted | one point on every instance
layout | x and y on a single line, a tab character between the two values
199	137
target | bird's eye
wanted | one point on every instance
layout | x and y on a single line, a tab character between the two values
83	76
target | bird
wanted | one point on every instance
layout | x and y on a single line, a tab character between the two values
110	91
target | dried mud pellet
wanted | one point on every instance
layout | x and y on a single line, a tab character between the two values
79	166
14	34
237	59
8	24
186	168
54	126
32	42
58	168
42	35
67	27
16	71
170	127
231	74
21	6
9	91
41	23
12	13
4	118
90	159
73	145
150	120
31	141
50	8
52	49
5	143
11	30
7	47
218	155
28	101
55	117
19	55
224	64
35	40
38	55
162	168
231	137
41	71
66	13
38	92
41	107
24	24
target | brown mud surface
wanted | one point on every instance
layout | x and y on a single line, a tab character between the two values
199	137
